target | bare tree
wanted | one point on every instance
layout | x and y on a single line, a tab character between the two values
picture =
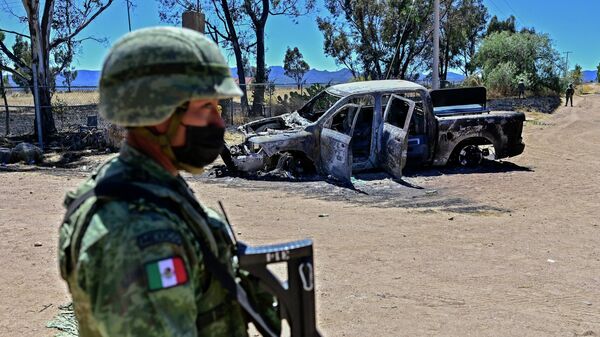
47	33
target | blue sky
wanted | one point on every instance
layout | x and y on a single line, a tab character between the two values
573	26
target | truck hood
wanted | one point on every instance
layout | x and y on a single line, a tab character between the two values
273	125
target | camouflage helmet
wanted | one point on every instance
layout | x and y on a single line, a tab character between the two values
150	72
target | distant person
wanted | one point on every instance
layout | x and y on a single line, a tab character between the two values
521	89
570	93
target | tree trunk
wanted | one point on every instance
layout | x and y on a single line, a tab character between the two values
446	63
237	51
260	79
39	31
6	116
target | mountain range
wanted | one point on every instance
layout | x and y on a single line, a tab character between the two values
90	78
590	76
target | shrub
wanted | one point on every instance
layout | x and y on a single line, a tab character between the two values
527	56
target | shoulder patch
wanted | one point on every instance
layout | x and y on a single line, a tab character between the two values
166	273
159	236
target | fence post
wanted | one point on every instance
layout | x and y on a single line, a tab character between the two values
271	99
38	112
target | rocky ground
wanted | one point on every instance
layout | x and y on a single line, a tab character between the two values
510	249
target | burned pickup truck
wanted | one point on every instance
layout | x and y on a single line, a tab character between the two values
380	124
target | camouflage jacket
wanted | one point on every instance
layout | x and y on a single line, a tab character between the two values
135	269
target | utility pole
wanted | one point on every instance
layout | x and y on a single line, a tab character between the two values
567	62
435	78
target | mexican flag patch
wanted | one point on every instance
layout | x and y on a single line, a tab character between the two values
166	273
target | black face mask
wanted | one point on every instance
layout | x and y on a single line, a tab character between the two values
203	144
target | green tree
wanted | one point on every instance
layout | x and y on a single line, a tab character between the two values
22	76
462	28
383	39
69	75
496	25
598	73
295	66
531	57
577	75
378	39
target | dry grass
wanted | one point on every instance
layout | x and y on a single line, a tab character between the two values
233	137
534	117
589	89
92	97
273	97
67	98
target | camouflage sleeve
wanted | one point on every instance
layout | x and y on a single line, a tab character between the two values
142	278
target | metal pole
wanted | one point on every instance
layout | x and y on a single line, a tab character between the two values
435	80
567	62
36	98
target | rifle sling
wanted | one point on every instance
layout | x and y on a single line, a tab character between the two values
119	190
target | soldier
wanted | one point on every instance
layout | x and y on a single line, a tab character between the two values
137	263
570	92
521	89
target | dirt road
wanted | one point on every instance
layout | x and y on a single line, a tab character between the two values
507	250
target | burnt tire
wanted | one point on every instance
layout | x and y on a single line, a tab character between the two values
469	156
295	165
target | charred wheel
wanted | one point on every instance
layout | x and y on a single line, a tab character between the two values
470	156
294	163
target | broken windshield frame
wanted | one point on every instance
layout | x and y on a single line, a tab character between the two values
317	106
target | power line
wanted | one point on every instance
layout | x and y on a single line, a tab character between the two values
497	8
514	12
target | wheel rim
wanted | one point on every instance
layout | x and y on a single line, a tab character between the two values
470	155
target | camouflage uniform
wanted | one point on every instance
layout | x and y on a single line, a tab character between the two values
113	253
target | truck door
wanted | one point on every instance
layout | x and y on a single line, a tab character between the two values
394	139
336	152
